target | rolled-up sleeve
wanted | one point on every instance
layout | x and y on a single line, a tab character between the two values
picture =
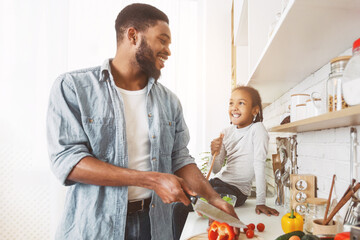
180	154
67	141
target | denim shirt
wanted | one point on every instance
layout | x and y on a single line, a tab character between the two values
86	118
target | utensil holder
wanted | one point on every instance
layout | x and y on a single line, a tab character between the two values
319	228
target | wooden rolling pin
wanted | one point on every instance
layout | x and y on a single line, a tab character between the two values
342	202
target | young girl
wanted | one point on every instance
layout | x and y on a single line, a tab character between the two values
245	144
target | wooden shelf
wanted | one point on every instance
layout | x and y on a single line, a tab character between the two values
344	118
308	35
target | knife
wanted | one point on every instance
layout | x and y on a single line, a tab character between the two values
214	213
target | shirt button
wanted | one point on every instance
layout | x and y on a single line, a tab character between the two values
154	159
152	205
153	136
90	120
169	123
149	115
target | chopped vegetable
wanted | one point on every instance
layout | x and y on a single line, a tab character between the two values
221	231
228	199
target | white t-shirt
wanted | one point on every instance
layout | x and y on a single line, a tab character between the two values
137	137
246	149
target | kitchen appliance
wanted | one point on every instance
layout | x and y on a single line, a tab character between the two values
215	213
302	187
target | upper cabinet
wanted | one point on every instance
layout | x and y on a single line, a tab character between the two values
278	47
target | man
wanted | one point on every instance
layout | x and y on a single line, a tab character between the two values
119	140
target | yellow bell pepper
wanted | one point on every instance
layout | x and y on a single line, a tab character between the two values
292	222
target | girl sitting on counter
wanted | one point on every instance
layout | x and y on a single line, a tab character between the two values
245	144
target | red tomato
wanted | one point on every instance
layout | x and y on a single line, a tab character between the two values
249	233
251	226
260	227
245	230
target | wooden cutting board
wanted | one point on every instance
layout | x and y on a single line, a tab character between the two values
204	236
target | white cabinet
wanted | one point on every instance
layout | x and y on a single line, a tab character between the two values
308	35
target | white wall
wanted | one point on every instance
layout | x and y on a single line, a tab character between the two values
41	39
217	69
322	153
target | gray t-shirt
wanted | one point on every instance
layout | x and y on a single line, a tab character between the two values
246	149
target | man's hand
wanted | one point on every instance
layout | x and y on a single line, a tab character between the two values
216	144
170	188
266	210
218	202
192	175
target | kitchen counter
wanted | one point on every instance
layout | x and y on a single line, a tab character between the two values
196	225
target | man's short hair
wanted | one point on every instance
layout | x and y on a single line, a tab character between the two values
139	16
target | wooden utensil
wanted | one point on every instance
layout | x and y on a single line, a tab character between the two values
342	202
276	162
211	166
350	187
329	199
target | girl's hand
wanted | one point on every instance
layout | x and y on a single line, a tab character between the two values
266	210
216	144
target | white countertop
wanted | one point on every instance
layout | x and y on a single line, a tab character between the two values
196	225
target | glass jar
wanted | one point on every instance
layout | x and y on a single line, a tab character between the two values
334	93
351	82
315	209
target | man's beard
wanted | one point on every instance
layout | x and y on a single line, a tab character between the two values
146	60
